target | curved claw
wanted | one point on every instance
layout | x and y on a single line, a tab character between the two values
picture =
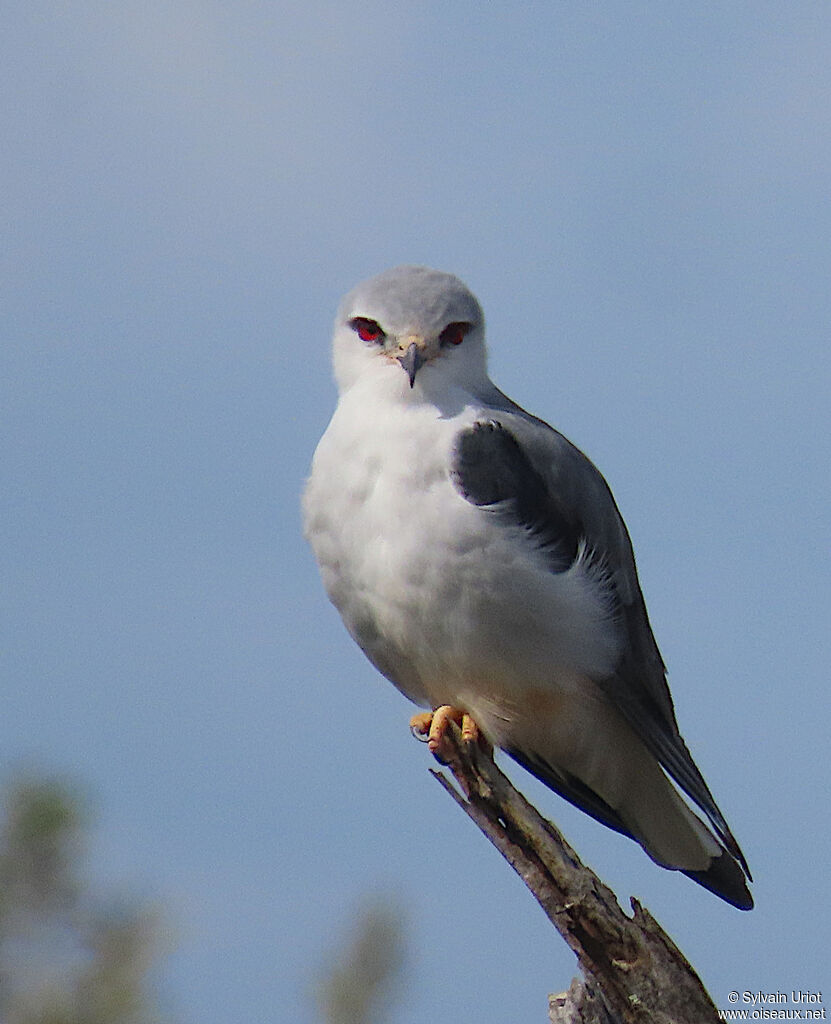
420	726
431	726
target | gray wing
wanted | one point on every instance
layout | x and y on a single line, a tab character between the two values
543	482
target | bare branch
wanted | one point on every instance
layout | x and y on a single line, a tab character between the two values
634	972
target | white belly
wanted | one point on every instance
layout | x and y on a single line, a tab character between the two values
443	598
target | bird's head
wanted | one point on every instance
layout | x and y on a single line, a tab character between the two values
410	325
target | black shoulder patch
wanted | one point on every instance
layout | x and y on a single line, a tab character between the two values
491	468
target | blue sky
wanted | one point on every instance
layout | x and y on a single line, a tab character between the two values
639	195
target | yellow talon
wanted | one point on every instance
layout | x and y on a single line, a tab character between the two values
470	730
431	726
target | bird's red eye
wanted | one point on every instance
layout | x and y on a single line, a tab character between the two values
454	334
366	329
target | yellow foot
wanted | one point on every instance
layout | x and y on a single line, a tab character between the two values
431	726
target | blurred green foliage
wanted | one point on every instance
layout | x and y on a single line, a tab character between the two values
360	981
67	955
70	955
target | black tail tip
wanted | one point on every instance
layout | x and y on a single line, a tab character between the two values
726	879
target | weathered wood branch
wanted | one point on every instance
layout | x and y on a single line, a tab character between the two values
634	973
582	1004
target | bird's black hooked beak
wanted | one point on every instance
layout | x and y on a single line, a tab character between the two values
411	361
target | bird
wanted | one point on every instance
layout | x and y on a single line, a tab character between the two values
479	560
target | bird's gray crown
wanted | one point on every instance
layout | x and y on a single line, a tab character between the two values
409	297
